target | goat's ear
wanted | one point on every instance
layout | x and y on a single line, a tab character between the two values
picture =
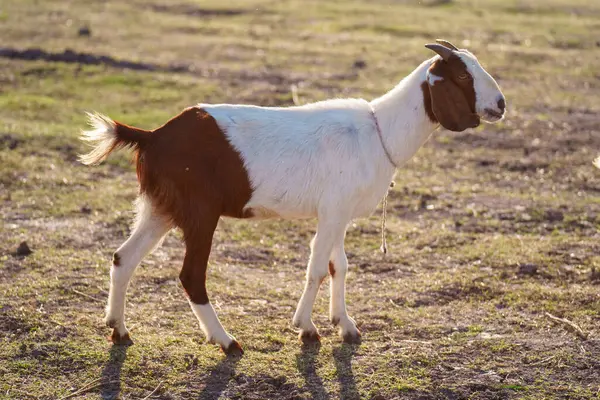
449	105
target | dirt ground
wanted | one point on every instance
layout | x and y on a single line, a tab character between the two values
492	232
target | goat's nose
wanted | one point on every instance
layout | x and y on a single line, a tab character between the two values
501	104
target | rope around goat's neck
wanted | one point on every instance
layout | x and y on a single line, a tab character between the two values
383	247
385	150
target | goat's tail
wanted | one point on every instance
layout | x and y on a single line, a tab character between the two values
108	135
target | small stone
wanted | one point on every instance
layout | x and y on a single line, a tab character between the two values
528	269
554	215
23	249
9	141
359	64
39	352
84	31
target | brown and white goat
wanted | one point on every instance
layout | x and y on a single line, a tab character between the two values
331	160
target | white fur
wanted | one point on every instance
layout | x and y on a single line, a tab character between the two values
486	88
296	156
432	78
147	233
210	324
326	160
101	137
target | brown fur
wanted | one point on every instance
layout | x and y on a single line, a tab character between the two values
116	259
453	99
128	136
331	269
119	339
233	350
427	102
193	176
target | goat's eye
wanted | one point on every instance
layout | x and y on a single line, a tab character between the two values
464	76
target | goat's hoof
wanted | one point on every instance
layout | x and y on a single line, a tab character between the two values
121	340
233	350
352	337
309	337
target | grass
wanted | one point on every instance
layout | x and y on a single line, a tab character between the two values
488	229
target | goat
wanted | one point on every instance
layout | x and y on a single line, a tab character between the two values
333	160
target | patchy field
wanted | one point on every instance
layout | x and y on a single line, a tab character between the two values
489	229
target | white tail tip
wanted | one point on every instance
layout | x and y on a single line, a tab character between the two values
102	137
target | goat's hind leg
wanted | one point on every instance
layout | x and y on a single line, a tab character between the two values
149	229
198	242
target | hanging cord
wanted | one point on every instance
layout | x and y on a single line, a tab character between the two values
383	247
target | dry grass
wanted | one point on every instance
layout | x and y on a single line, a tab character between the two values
490	229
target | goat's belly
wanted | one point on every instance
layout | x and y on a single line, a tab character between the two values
301	202
279	209
365	209
260	212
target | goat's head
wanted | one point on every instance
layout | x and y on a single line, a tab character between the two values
462	92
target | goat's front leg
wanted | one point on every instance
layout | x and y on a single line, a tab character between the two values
328	232
338	266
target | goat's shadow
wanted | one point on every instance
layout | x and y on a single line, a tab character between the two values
218	378
343	356
111	373
306	362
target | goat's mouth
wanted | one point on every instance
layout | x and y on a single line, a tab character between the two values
492	115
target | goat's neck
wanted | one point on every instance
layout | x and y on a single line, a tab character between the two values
402	118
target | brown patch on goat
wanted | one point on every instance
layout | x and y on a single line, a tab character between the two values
453	99
190	164
193	176
116	259
331	269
